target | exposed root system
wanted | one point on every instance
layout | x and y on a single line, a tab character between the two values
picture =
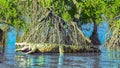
114	37
53	29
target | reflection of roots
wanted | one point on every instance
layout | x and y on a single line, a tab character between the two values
56	48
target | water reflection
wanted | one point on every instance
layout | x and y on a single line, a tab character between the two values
111	58
114	53
49	60
60	61
36	60
107	59
57	61
23	60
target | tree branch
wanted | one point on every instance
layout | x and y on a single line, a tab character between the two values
4	22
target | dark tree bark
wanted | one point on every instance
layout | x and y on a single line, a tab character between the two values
1	35
2	40
94	37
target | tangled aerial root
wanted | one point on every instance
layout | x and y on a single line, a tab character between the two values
53	29
114	37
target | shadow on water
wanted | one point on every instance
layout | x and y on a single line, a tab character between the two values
12	59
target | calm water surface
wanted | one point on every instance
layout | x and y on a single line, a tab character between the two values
107	59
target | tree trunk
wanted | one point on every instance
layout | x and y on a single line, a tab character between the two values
4	41
94	37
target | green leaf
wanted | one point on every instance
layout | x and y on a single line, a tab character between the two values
66	16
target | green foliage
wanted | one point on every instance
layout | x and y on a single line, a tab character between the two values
85	10
14	11
10	13
99	10
117	24
66	16
65	8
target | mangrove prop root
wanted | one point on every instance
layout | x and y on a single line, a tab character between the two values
113	37
53	29
60	36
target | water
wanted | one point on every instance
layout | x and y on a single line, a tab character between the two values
107	59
